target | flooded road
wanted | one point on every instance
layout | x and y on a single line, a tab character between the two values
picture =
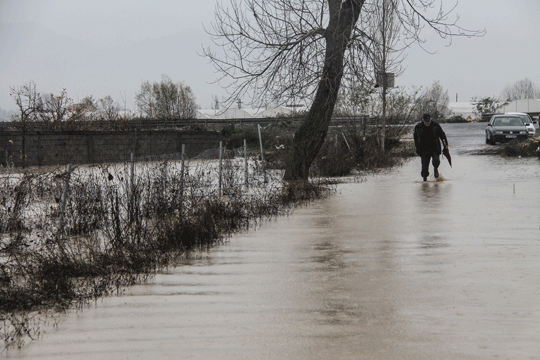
390	268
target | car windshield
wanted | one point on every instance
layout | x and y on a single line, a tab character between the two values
525	118
507	121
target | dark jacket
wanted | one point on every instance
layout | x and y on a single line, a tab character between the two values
438	136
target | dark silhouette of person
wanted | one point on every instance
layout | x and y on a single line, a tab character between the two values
428	136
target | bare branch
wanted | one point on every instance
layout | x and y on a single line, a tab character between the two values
273	51
282	51
523	89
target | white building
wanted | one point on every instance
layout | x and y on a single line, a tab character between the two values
464	109
529	106
247	113
231	113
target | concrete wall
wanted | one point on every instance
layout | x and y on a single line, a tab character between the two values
87	147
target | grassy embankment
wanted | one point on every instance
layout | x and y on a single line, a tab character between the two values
516	148
527	148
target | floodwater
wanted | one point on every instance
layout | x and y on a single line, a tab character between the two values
390	268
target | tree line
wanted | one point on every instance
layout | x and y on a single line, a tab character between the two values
49	111
402	105
407	105
520	90
159	100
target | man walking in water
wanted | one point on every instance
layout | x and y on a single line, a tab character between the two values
428	135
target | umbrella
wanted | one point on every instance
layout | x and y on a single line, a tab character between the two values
446	153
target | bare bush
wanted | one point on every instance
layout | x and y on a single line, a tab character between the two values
119	226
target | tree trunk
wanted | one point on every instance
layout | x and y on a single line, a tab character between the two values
383	125
310	136
23	150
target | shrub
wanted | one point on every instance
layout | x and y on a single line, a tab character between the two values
116	232
347	149
524	148
455	119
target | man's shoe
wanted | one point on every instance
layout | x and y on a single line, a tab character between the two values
425	178
436	173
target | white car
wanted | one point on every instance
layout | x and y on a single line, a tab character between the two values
529	123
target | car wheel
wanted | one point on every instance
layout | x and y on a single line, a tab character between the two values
491	140
487	139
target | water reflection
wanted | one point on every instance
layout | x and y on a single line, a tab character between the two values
430	191
432	197
353	265
433	241
387	269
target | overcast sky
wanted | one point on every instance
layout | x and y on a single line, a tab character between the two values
108	47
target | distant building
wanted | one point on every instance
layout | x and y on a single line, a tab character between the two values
464	109
528	106
81	108
231	113
246	113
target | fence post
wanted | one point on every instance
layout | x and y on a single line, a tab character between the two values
182	176
245	163
364	121
182	167
346	142
132	174
64	198
220	165
262	154
131	189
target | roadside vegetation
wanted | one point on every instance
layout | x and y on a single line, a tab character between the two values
120	226
69	238
350	149
526	148
515	148
115	232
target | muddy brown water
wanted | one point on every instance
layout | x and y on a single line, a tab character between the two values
390	268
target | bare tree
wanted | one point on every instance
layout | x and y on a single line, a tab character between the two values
108	109
89	104
388	55
58	111
145	100
401	104
28	101
50	111
487	105
166	100
434	100
523	89
277	51
355	100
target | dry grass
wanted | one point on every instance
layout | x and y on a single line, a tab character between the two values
116	231
119	229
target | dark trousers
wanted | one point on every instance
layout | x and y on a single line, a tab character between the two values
426	156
